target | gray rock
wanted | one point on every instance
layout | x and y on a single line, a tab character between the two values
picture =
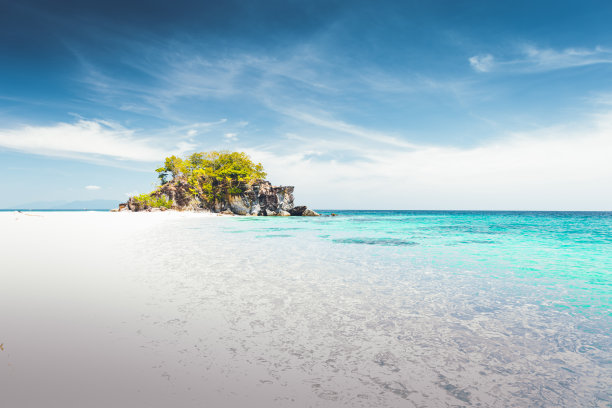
297	211
258	198
179	193
239	205
255	209
309	213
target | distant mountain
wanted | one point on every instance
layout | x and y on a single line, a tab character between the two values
37	205
68	205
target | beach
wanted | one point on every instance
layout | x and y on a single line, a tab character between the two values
164	309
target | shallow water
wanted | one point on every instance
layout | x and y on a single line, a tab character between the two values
365	309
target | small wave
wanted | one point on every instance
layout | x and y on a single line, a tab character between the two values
282	228
375	241
476	241
466	229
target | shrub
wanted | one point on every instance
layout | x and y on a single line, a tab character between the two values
147	200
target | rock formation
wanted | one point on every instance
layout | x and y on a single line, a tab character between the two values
260	198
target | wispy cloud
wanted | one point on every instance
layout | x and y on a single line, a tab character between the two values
482	63
342	127
92	188
91	140
301	75
600	99
549	59
532	59
231	137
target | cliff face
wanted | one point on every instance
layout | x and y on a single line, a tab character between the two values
261	198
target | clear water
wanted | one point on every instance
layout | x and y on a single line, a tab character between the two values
558	260
421	308
366	309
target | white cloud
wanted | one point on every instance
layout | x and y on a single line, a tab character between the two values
549	59
482	63
93	140
559	168
231	137
564	167
92	188
192	132
533	59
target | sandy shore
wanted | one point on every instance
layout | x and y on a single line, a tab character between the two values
69	282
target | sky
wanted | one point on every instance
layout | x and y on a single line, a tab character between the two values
482	105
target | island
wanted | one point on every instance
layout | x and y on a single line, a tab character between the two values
219	182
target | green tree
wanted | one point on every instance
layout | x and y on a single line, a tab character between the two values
212	175
173	166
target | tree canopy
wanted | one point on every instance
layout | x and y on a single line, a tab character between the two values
212	175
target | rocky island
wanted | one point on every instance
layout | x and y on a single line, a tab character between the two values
220	182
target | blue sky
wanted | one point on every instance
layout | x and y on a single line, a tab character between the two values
388	105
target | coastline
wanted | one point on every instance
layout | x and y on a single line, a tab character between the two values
19	214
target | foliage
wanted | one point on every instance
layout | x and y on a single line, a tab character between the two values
212	175
152	201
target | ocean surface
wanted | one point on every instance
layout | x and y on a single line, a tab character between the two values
368	309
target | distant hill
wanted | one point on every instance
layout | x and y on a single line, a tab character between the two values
67	205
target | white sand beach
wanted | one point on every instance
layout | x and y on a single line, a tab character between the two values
71	307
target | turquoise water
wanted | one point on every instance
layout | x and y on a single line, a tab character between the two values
480	308
566	255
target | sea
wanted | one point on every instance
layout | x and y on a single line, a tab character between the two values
376	309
